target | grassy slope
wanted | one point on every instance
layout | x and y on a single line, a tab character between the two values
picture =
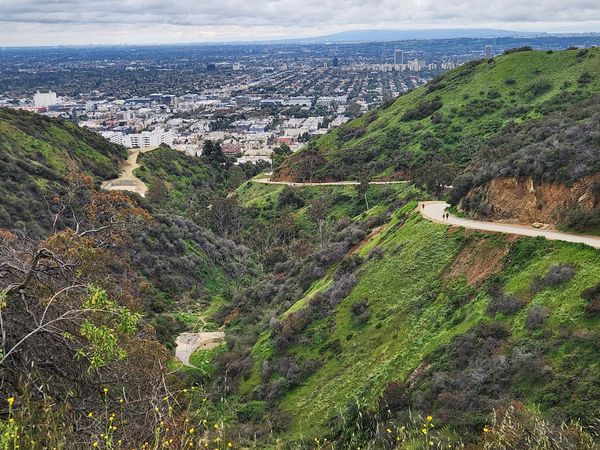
36	154
407	325
345	200
385	135
182	175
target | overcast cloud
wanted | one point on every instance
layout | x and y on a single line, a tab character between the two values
48	22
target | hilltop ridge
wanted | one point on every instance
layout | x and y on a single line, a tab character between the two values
36	154
450	120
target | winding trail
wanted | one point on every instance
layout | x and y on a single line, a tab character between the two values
326	183
434	211
127	181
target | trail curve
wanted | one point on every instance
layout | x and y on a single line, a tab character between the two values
434	211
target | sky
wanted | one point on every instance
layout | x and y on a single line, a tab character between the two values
82	22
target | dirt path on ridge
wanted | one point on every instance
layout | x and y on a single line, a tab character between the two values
127	181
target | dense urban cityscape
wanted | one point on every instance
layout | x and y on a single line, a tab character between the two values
252	98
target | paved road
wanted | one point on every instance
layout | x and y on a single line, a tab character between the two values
188	343
435	210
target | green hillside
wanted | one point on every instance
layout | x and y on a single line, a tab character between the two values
452	118
438	321
36	154
350	320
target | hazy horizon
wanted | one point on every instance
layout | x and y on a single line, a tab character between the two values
106	22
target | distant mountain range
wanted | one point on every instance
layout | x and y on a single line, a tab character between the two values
403	35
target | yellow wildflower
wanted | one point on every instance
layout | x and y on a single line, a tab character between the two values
10	401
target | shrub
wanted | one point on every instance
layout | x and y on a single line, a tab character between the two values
500	302
516	428
582	218
536	317
480	107
376	252
252	411
395	397
436	84
537	87
425	109
556	275
342	288
592	295
360	313
525	48
584	78
290	197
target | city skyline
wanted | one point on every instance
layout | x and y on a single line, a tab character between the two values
32	22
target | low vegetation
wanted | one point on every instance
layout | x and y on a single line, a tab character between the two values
350	320
459	116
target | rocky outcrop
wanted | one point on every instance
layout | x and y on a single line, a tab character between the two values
529	201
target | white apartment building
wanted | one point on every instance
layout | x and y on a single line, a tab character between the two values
300	101
45	99
145	139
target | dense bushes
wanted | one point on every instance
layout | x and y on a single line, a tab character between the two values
525	48
582	218
37	153
480	107
360	313
425	109
561	147
537	88
556	275
500	302
536	317
592	296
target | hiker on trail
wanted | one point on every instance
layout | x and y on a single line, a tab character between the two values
423	205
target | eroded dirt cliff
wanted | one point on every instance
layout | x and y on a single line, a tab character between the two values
529	201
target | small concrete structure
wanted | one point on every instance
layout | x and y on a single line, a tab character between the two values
188	343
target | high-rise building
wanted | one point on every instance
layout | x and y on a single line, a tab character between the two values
399	57
45	99
336	62
488	51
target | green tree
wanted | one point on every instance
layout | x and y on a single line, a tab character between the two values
158	191
318	211
235	176
362	188
213	153
279	154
